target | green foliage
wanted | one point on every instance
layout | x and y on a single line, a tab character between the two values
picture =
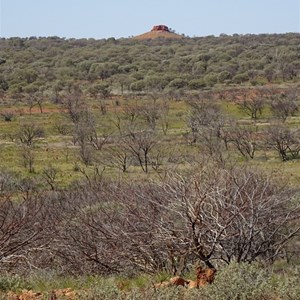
287	286
178	83
3	84
239	282
42	62
234	282
138	86
223	76
211	79
196	84
240	78
12	283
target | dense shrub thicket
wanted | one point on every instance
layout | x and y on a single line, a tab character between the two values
100	227
29	64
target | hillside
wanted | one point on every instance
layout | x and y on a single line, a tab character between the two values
158	31
132	65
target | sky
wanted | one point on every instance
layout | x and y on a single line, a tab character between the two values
124	18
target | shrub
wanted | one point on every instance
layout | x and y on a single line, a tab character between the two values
241	282
8	283
288	287
196	84
240	78
178	83
8	116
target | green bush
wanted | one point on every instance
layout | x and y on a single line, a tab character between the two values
196	84
12	283
109	292
288	286
240	78
239	282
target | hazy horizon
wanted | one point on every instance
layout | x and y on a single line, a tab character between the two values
117	18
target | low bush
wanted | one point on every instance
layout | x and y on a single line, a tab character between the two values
9	283
240	282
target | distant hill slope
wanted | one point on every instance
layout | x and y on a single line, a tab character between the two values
51	65
158	31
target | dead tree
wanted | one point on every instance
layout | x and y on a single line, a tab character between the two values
284	140
140	145
285	104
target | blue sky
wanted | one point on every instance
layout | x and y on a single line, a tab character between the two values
124	18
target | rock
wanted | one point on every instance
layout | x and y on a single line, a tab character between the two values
178	281
205	276
160	28
67	294
173	281
25	295
192	284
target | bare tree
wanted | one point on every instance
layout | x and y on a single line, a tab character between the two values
87	136
8	184
203	114
207	127
62	127
152	111
74	104
112	232
252	102
34	98
29	133
50	175
165	123
284	140
285	104
245	140
131	112
140	145
25	227
101	92
28	158
98	140
211	145
86	153
235	214
117	121
86	245
117	157
84	133
56	92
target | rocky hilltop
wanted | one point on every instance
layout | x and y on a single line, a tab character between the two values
158	31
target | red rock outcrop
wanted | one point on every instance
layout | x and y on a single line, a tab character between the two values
158	31
175	281
160	28
204	277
